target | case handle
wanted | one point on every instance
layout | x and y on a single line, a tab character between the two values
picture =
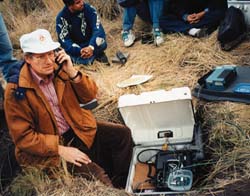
165	134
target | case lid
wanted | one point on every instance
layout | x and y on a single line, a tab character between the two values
159	116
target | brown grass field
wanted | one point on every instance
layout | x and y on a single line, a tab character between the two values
180	61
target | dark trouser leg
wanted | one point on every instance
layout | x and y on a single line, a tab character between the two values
100	49
89	171
113	146
80	60
172	24
142	10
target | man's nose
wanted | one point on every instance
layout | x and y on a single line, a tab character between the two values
48	58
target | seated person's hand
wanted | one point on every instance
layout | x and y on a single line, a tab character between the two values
195	17
86	52
73	155
200	15
192	18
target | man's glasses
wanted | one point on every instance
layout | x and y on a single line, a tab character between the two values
43	57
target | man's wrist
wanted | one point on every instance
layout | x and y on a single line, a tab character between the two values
184	17
92	47
72	73
78	73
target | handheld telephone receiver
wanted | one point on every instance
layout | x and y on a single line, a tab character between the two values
60	65
121	57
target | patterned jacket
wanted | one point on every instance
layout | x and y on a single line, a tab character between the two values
80	29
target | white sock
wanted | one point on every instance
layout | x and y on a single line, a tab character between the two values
193	31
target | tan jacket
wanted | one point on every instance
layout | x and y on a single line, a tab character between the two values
31	121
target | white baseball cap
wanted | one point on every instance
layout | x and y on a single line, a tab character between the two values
38	41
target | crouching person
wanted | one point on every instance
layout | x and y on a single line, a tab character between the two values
81	33
47	123
197	18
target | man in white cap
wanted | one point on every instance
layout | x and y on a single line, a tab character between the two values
47	123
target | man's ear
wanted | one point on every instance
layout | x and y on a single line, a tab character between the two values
27	58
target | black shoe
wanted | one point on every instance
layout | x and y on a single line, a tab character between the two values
102	58
147	38
202	33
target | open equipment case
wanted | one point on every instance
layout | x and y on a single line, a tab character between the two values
168	141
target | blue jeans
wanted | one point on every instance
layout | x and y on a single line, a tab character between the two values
6	51
155	9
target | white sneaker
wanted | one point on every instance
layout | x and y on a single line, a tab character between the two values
203	32
194	31
128	38
158	38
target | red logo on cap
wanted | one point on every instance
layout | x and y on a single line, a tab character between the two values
42	38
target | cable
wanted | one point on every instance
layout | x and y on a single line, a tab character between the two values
146	162
199	164
149	162
150	171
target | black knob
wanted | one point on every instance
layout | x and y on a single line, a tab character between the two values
121	57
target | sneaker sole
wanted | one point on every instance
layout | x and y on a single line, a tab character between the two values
159	42
128	44
203	33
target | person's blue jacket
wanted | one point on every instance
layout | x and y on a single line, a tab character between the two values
78	30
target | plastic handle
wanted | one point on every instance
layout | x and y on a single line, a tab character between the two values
121	57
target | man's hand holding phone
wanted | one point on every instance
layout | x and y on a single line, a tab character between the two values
64	62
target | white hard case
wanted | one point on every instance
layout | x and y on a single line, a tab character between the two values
244	6
152	113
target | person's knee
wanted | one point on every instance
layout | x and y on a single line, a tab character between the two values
92	171
101	43
125	134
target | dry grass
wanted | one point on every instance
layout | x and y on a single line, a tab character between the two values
54	6
33	181
106	8
228	142
179	62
